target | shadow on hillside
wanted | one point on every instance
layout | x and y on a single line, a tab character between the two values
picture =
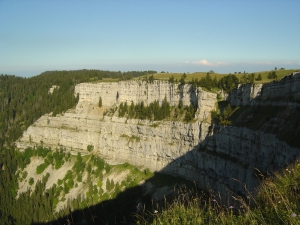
124	209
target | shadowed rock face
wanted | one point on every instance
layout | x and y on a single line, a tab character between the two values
222	158
277	93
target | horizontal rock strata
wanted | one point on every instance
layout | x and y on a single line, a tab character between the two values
219	157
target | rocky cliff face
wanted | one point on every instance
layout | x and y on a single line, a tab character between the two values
278	93
137	91
143	143
220	157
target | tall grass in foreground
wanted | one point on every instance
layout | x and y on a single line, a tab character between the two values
277	202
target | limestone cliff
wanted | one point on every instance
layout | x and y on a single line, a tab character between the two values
137	91
150	144
278	93
220	157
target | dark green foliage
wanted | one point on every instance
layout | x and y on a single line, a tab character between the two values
180	104
79	165
172	80
222	113
228	83
107	168
41	168
100	102
182	79
252	78
107	184
147	171
31	181
30	206
100	164
90	148
56	158
190	113
42	152
131	74
69	175
272	75
123	108
59	182
155	112
259	77
23	158
139	111
151	79
89	168
79	178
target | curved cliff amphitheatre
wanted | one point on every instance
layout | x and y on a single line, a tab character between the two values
104	147
218	151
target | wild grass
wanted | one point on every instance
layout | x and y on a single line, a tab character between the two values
280	74
276	202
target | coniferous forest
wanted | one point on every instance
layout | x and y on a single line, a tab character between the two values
23	101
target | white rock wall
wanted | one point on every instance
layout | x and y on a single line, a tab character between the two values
136	91
117	139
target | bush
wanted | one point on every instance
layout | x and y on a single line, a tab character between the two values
272	75
59	182
90	148
31	181
42	152
41	168
147	172
107	168
79	178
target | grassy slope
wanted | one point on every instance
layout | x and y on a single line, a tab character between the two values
199	75
276	203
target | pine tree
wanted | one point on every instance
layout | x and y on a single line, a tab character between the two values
259	77
100	102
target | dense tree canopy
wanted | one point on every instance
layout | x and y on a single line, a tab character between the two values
226	83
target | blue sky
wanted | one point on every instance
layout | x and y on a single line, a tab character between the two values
175	36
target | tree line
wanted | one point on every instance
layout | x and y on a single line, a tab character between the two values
226	83
155	112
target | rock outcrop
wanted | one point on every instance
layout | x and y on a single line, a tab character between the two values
219	157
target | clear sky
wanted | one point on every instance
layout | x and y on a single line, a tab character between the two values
170	35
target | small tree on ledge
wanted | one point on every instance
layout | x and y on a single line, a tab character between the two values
100	102
90	148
